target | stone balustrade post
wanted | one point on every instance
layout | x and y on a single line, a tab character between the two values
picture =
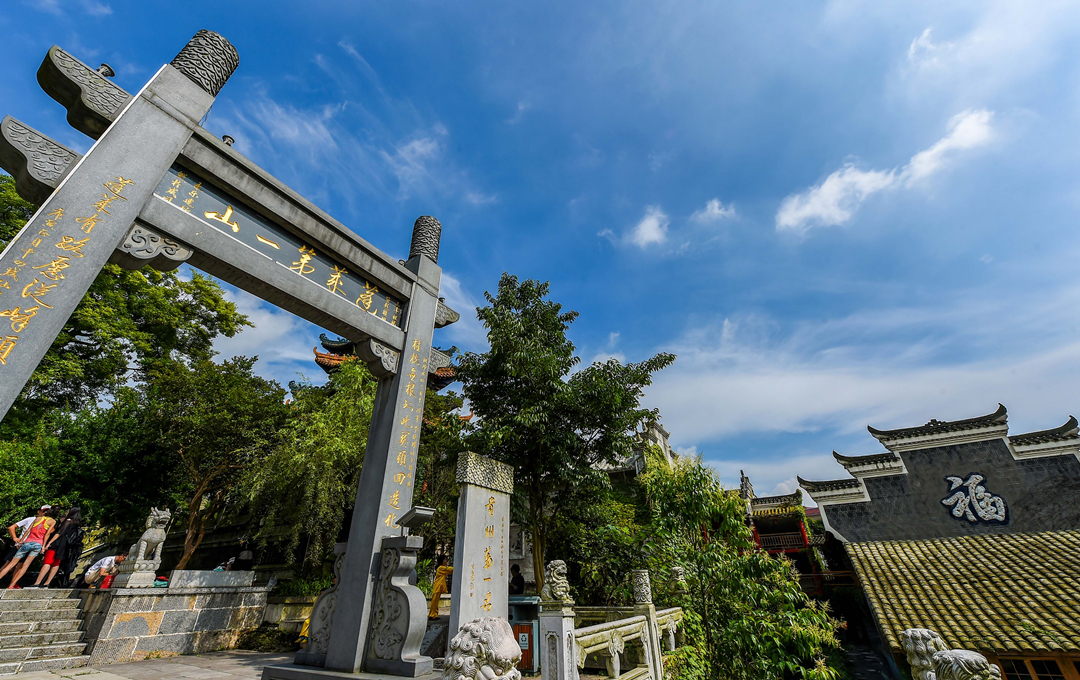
558	654
643	606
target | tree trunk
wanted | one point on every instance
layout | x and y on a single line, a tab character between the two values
539	537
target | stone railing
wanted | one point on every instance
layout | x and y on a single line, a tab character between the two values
631	634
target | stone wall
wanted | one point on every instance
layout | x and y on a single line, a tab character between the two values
289	612
1041	494
128	624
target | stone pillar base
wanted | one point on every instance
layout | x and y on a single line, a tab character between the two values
294	672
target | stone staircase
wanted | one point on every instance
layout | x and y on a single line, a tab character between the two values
40	630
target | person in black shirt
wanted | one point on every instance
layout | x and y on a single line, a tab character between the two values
517	581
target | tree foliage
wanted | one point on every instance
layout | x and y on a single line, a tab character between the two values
308	481
217	421
554	427
751	620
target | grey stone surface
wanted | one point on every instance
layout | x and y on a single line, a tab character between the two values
39	639
109	651
127	162
135	625
208	60
37	162
1041	494
387	475
91	100
294	672
481	564
216	600
400	612
213	619
54	663
178	622
209	579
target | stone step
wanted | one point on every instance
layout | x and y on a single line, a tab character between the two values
22	615
39	594
25	604
53	626
39	639
50	664
17	654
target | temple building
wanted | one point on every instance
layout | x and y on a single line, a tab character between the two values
969	531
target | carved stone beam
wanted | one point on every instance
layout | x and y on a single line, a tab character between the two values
444	316
437	360
37	163
381	360
92	101
144	246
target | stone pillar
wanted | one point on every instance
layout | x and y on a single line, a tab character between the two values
558	653
481	568
50	264
643	606
385	491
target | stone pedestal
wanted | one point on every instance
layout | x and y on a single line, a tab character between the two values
399	620
557	657
481	568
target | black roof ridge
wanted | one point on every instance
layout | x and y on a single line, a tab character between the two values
821	486
869	458
1071	427
1000	415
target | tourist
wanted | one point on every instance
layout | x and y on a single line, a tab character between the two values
442	572
23	525
30	545
517	581
67	533
106	566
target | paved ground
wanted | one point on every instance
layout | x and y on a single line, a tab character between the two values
231	665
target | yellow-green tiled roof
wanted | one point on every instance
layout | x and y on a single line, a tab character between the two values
997	592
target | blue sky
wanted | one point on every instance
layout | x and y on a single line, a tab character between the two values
835	214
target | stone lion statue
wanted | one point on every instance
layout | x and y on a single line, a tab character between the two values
931	659
960	664
556	586
921	644
145	554
484	649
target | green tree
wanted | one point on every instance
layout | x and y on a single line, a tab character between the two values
555	428
128	323
749	617
308	481
217	421
14	211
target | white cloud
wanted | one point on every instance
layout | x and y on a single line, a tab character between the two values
714	211
651	229
967	130
924	52
522	107
609	352
888	367
97	9
468	333
282	341
480	198
835	200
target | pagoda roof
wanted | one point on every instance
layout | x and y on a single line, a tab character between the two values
998	417
1067	431
829	485
339	346
328	361
850	461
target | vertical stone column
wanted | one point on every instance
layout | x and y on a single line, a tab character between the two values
643	606
481	568
50	264
386	481
558	653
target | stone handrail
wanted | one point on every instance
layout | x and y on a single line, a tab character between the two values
565	648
